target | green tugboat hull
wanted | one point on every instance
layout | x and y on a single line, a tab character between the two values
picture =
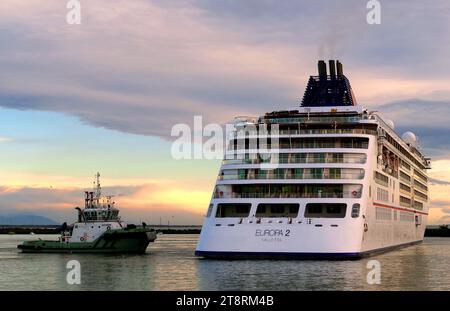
112	241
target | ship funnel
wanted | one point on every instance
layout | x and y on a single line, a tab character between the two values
328	89
339	68
322	66
332	66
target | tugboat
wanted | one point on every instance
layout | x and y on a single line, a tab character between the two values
99	229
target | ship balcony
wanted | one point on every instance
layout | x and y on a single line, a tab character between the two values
303	195
405	179
404	191
300	143
359	176
249	133
298	158
315	119
277	190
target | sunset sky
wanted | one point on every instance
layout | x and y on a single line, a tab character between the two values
104	95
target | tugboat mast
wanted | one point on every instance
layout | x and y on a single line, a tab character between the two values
98	190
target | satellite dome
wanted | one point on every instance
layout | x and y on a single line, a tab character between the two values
390	123
410	138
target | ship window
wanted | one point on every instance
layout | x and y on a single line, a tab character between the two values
277	210
338	158
233	210
405	201
405	177
381	179
325	210
355	210
405	216
382	195
209	210
383	214
405	187
418	205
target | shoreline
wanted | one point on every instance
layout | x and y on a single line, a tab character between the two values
429	232
57	230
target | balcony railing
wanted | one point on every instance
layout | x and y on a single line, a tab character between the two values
350	159
305	132
337	195
405	179
313	119
292	176
307	145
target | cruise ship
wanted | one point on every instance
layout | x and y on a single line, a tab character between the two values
331	180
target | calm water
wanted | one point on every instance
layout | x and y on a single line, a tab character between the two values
171	265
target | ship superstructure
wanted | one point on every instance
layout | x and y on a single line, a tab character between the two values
329	180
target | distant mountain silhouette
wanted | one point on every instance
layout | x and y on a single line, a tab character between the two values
25	219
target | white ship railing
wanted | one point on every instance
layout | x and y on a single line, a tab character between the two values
304	132
348	159
293	176
251	195
313	119
313	145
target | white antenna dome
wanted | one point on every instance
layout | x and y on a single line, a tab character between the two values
410	138
244	120
390	123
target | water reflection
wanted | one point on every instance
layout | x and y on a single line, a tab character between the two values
171	265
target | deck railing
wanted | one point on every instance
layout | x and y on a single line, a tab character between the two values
350	159
292	176
309	145
313	119
337	195
244	134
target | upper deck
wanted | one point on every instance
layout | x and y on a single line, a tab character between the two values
335	122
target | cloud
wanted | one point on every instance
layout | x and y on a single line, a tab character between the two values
138	69
168	201
142	66
13	198
440	203
427	119
434	181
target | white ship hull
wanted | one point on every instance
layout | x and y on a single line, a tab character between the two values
336	182
316	238
303	237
